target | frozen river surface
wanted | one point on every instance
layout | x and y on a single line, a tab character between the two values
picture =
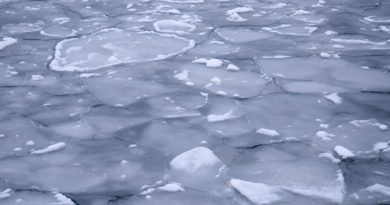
187	102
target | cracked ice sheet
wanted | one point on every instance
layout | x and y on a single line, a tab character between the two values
287	99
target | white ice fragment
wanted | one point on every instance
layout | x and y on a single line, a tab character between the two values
182	75
171	187
232	67
223	117
5	194
239	10
334	97
200	60
110	47
17	149
343	152
6	41
194	159
324	135
214	63
329	33
268	132
325	126
379	188
36	77
257	193
50	148
30	143
62	200
234	14
216	80
325	55
88	75
329	156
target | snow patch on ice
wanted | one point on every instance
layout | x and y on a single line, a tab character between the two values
50	148
194	159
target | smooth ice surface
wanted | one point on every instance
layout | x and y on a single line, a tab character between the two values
188	102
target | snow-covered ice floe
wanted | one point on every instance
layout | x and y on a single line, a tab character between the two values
98	50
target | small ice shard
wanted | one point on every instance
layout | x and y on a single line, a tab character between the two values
324	135
50	148
379	188
343	152
36	77
171	187
182	75
214	63
232	67
172	26
257	193
234	14
194	159
330	33
6	41
200	60
62	200
88	75
223	117
5	194
268	132
325	55
30	143
334	97
216	80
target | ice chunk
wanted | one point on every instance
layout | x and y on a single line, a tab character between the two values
234	14
343	152
171	187
267	132
62	200
115	46
334	97
50	148
5	193
6	41
232	67
214	63
223	117
194	159
173	26
257	193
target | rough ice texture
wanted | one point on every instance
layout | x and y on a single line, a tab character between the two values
151	102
